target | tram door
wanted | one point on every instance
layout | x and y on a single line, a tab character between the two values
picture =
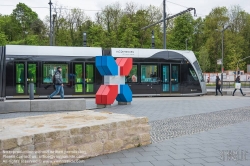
175	78
83	78
25	72
170	75
165	70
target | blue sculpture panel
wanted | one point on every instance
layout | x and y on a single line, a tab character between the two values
98	64
106	65
125	94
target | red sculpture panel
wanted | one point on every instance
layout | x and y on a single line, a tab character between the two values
106	94
125	65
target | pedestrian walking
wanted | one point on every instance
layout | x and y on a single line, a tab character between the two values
237	80
58	82
217	88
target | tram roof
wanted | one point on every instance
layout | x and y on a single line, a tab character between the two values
24	50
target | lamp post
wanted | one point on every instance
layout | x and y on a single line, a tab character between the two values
186	42
222	52
153	40
84	39
54	18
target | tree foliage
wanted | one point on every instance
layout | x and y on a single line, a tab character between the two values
120	26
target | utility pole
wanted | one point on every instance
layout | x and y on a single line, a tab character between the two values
164	24
50	27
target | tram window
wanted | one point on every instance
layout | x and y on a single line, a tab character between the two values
78	78
20	73
50	69
149	73
89	77
199	72
132	77
89	73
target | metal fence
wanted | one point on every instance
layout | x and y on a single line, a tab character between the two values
230	84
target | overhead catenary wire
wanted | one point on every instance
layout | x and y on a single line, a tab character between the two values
177	4
97	10
89	10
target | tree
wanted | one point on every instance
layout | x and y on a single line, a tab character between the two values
23	17
3	40
215	20
182	30
203	58
198	36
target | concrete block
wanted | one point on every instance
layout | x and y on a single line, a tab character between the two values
58	105
16	106
103	106
2	110
124	103
82	134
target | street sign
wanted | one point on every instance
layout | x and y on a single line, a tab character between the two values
219	62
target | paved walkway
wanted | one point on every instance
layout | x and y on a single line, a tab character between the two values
222	144
197	131
227	146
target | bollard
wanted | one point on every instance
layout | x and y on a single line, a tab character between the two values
31	91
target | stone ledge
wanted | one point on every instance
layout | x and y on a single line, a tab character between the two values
88	133
9	106
58	105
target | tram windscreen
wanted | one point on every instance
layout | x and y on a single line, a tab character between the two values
199	72
49	70
192	72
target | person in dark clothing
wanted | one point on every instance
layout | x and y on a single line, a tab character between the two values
217	88
58	81
237	80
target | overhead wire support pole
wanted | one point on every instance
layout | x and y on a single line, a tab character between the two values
50	27
170	17
164	24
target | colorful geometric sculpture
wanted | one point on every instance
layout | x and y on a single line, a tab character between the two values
114	72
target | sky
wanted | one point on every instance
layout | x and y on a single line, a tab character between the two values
90	7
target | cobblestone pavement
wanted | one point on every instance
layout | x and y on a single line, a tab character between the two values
186	125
